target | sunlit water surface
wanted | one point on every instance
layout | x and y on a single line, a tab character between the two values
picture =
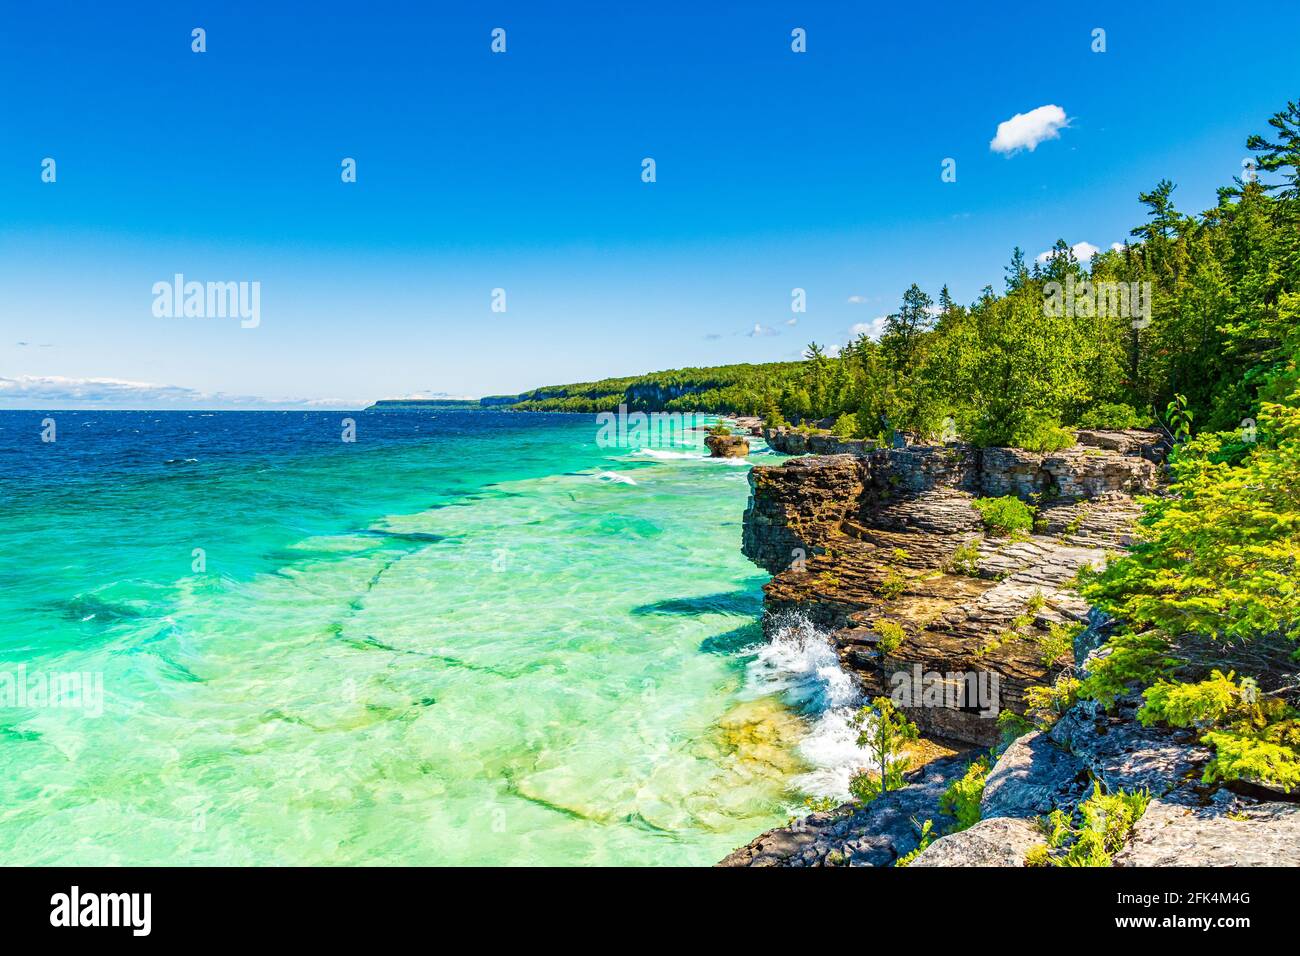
466	637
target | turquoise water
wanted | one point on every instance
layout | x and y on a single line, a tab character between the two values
464	638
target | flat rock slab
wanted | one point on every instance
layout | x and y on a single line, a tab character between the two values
1172	834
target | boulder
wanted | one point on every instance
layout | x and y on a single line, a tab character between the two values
1033	777
727	446
1001	841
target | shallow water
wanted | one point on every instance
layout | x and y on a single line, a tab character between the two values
463	638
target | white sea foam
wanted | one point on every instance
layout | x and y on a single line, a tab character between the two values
665	454
614	477
800	664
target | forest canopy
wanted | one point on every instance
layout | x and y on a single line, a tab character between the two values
1203	306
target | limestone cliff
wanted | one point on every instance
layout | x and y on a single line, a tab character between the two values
861	535
890	535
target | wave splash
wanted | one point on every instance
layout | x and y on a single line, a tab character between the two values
614	478
667	454
800	664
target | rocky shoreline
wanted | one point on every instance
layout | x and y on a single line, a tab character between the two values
856	539
864	540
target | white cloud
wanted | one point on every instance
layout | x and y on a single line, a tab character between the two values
1083	251
857	299
793	321
58	391
871	329
761	330
1027	130
1117	246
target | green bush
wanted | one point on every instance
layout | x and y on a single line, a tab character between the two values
1011	727
891	586
962	798
846	426
820	804
1056	647
884	731
1113	416
926	837
1106	822
1255	737
891	636
1005	515
1038	856
1108	819
1041	434
1214	570
965	559
1044	705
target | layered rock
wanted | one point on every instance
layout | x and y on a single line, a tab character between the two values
855	540
1187	822
727	446
794	508
870	535
854	835
789	441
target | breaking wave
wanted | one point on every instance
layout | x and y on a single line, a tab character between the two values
800	664
664	453
613	477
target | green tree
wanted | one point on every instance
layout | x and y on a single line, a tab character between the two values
905	329
884	731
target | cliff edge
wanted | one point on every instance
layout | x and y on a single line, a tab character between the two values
888	550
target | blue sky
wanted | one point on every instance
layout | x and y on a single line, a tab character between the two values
522	171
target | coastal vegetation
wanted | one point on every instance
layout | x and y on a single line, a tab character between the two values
1190	327
962	799
1093	834
1197	310
884	733
1005	515
1206	604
